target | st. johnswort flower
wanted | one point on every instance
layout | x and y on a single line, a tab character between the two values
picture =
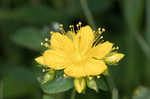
81	53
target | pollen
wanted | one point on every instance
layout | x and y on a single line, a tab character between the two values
46	39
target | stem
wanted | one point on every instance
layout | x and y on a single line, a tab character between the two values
115	93
143	44
1	89
73	94
112	86
87	13
110	82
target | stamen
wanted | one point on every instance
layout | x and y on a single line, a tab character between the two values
99	31
72	28
41	43
43	70
65	76
80	23
101	37
61	28
103	30
78	27
46	45
90	78
46	39
98	76
98	35
51	32
115	48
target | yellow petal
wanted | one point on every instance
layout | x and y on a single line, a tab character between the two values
95	67
84	39
114	58
79	84
61	42
55	59
40	60
90	67
101	50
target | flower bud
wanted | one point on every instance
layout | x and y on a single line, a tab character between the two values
92	84
79	84
48	76
39	60
114	58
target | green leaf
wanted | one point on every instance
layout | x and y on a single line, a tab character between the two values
147	35
29	14
47	97
102	84
28	37
58	85
133	12
18	80
142	93
99	6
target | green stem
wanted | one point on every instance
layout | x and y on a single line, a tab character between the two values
87	13
110	82
112	86
1	89
143	44
73	94
115	93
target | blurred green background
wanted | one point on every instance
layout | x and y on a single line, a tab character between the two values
25	23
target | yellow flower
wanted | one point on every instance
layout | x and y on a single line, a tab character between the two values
76	53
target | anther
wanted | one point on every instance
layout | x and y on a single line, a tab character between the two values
61	28
99	29
103	29
46	45
64	75
117	48
70	26
98	76
41	43
61	25
46	39
101	37
78	27
80	23
90	78
43	70
51	32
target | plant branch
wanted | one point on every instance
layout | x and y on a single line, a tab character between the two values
144	46
73	94
87	13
